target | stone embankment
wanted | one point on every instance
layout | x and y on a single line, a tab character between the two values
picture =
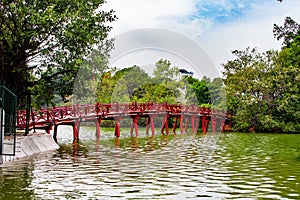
30	145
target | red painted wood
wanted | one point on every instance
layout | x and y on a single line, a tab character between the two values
117	127
67	115
180	124
98	124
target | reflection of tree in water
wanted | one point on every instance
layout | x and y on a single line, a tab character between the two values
298	158
14	179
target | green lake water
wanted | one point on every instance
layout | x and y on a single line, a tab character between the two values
181	166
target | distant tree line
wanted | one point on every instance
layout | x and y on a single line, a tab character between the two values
134	84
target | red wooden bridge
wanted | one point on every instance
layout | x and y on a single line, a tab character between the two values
50	118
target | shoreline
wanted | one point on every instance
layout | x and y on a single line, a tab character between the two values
33	143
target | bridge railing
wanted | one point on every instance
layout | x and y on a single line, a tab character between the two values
60	113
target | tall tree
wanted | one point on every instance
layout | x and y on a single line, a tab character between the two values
287	32
164	72
262	89
46	40
131	79
89	75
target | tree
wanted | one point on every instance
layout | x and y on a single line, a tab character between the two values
262	89
287	32
217	93
130	79
287	84
164	73
248	90
46	41
157	93
197	91
89	75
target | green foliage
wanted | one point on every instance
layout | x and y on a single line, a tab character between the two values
262	89
157	93
134	84
88	76
205	92
196	91
287	32
164	73
48	39
105	88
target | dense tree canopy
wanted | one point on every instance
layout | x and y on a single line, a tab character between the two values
263	89
134	84
164	72
44	42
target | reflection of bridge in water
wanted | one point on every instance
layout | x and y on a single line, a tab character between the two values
50	118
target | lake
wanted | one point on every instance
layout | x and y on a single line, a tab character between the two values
180	166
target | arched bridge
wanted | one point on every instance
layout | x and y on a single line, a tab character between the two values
194	115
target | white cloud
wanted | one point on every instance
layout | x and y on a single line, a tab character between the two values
135	14
250	27
255	30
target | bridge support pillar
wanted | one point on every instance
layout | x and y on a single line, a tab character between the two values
117	127
181	124
147	125
135	125
76	128
196	124
205	122
193	123
98	124
150	121
165	124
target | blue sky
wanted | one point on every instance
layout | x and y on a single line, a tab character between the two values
218	26
220	12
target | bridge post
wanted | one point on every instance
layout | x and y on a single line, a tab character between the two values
165	124
180	124
147	125
204	124
197	125
117	127
135	125
150	122
193	123
76	128
98	124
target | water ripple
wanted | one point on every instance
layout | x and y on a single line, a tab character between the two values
174	167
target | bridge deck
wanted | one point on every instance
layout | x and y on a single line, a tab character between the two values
72	115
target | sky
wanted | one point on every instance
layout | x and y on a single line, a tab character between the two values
213	27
